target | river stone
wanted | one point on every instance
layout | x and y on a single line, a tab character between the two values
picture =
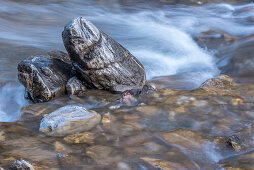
98	59
239	59
220	84
75	87
69	119
45	76
21	165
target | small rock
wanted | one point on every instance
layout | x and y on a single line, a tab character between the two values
69	119
148	110
77	138
21	165
234	142
98	59
45	76
163	164
75	87
123	166
219	84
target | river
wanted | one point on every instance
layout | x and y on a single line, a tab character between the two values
163	35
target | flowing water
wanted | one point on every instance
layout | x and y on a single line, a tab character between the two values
165	37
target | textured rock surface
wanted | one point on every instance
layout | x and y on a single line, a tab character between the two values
69	119
220	84
75	87
21	165
45	76
99	60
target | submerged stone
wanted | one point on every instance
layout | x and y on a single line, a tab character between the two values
45	76
21	165
98	59
69	119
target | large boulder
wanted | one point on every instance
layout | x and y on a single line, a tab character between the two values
69	119
98	59
45	76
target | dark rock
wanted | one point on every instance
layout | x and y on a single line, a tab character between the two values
141	91
75	87
239	60
45	76
234	142
21	165
215	39
98	59
123	88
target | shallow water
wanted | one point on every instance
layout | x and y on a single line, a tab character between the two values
173	42
160	35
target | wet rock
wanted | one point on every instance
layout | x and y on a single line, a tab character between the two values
148	110
163	164
77	138
238	60
45	76
215	39
21	165
75	87
98	59
185	138
36	111
146	148
102	155
241	162
69	119
221	83
234	142
123	88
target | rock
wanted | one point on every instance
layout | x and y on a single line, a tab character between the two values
21	165
238	61
234	142
75	87
98	59
148	110
163	164
218	84
102	155
69	119
45	76
78	138
215	39
241	161
188	139
123	88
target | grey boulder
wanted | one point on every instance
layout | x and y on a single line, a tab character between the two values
45	76
98	59
69	119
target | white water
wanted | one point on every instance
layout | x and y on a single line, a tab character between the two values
11	101
161	38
